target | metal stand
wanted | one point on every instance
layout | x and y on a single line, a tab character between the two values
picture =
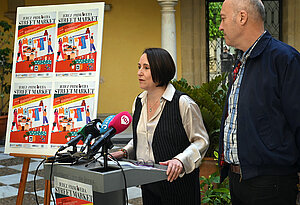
104	152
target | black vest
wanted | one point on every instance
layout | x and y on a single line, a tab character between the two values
169	140
169	137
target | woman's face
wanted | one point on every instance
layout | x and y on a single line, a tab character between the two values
144	74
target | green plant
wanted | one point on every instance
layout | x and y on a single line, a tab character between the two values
212	192
5	65
210	97
26	135
214	20
32	64
73	63
68	135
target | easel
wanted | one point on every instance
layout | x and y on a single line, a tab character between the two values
24	175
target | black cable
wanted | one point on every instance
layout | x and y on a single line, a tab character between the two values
34	180
51	171
123	173
95	160
125	183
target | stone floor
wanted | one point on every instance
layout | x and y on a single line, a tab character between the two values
10	174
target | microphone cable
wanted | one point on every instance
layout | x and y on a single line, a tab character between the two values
95	160
123	173
34	181
124	177
50	181
51	173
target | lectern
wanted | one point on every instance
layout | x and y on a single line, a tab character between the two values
107	185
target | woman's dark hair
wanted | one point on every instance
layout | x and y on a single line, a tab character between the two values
162	65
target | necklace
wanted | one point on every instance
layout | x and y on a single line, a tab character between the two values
150	107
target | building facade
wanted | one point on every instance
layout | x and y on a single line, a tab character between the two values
131	26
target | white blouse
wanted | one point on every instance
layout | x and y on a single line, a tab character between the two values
192	122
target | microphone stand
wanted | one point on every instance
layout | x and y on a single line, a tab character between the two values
74	149
104	152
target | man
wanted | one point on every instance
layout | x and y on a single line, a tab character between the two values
226	63
260	130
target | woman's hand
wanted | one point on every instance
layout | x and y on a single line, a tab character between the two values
175	168
118	154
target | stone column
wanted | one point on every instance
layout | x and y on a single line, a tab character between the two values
290	24
193	41
168	28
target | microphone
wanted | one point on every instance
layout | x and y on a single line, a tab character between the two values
98	123
102	129
87	142
118	124
92	131
104	126
80	135
93	127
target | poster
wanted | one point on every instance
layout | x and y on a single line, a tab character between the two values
35	52
29	124
73	104
69	192
77	38
46	106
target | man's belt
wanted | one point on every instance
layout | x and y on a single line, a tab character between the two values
235	168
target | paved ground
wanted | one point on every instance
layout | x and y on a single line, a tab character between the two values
10	174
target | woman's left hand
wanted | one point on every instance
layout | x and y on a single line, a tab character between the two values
175	168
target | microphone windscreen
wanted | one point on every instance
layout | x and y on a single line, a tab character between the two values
104	126
121	121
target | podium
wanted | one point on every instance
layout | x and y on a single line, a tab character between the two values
108	185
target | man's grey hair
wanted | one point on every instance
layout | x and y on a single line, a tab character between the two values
259	7
256	7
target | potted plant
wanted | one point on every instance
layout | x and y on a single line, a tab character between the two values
210	97
5	71
212	192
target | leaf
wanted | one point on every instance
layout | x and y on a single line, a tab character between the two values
5	64
210	97
206	200
5	25
222	190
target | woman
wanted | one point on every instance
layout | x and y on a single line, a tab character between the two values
167	129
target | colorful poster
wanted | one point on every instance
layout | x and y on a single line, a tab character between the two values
73	106
29	123
54	47
77	39
69	192
35	45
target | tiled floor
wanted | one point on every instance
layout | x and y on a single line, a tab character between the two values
10	174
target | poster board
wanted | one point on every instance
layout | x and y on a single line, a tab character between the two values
72	192
55	78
